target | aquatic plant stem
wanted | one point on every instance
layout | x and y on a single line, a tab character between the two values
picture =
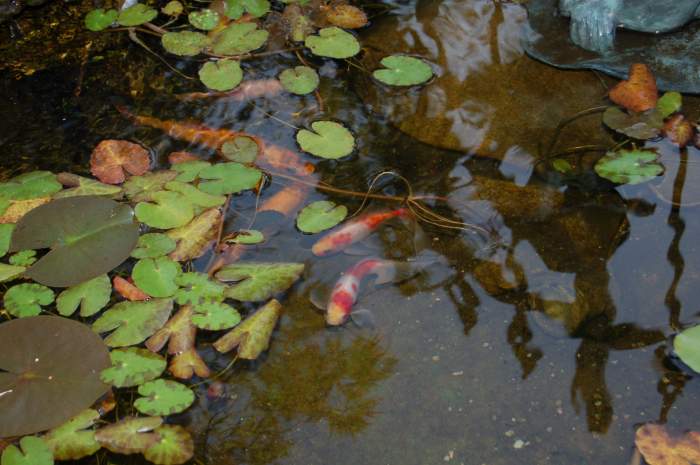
566	122
135	39
674	255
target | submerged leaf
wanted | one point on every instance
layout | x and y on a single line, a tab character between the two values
189	170
252	337
299	80
112	158
132	366
130	435
328	140
195	196
23	300
215	316
629	166
403	71
185	43
80	185
221	75
91	296
333	42
346	16
136	15
34	451
686	344
239	38
246	236
205	20
153	245
174	447
641	126
141	188
167	210
196	237
241	149
163	397
321	215
259	281
73	440
133	322
156	276
99	19
658	448
228	178
198	288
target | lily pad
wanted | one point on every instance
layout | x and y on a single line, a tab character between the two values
167	210
299	80
669	103
23	300
141	188
92	296
228	178
195	237
156	276
198	288
99	19
252	337
239	38
174	447
333	42
80	185
153	245
403	71
321	215
32	185
687	346
189	170
221	75
173	8
195	196
41	382
5	236
74	440
346	16
163	397
205	20
34	451
132	366
130	435
259	281
247	236
93	234
23	258
629	166
328	140
111	159
10	272
136	15
241	149
133	322
640	126
215	316
185	43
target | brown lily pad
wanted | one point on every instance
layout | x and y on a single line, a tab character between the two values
639	92
659	448
112	158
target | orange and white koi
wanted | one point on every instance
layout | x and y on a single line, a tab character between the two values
354	231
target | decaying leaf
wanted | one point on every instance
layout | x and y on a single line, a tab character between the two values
196	237
133	322
640	126
174	447
252	337
18	208
258	281
658	448
345	16
112	158
639	92
74	439
78	185
678	130
128	290
131	435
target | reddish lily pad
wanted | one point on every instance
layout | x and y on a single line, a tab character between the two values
112	158
130	435
74	439
174	447
252	337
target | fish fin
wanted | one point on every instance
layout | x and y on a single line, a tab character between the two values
319	295
359	249
363	318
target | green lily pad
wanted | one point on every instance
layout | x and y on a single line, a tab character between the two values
247	236
132	366
403	71
321	215
32	185
156	276
49	372
328	140
299	80
163	397
5	236
241	149
234	9
10	272
173	8
669	103
196	196
74	440
136	15
99	19
205	20
23	258
185	43
141	188
562	165
174	447
130	435
259	281
686	344
133	322
93	234
198	288
256	8
221	75
84	186
153	245
92	296
23	300
215	316
333	42
189	170
34	451
239	38
228	178
252	337
640	126
168	210
629	166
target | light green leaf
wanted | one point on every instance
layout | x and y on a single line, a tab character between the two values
221	75
333	42
32	185
26	299
239	38
328	140
241	149
257	8
9	272
141	188
196	196
189	170
23	258
99	19
258	281
403	71
34	451
686	344
302	26
136	15
156	276
563	166
629	166
198	288
5	236
234	9
174	447
205	20
299	80
228	178
153	245
173	8
215	316
163	397
73	440
185	43
252	337
130	435
132	366
247	236
91	296
321	215
669	103
84	186
133	322
168	210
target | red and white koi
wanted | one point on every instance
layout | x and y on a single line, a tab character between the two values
354	231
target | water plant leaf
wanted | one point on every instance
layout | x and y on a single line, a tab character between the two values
639	92
678	130
136	15
185	43
189	170
239	38
328	140
74	440
23	258
196	196
234	9
247	236
345	16
173	8
669	103
141	188
640	126
127	290
687	346
205	19
241	149
112	158
5	236
198	288
163	397
92	296
165	211
10	272
174	447
156	276
252	337
629	166
26	299
658	448
185	365
32	185
562	165
228	178
221	75
403	71
321	215
333	42
99	19
215	316
34	451
93	234
299	80
41	382
130	435
17	209
153	245
195	237
133	322
259	281
255	8
80	185
132	366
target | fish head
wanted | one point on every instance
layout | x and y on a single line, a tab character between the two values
339	308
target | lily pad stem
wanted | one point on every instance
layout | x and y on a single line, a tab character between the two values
567	121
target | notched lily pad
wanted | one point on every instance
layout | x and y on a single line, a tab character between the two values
99	19
221	75
32	185
130	435
34	451
132	366
403	70
239	38
259	281
163	397
74	439
23	300
195	196
79	185
228	178
141	188
153	245
133	322
686	345
215	316
669	103
185	43
299	80
167	210
156	276
195	237
321	215
91	296
174	447
252	337
241	149
333	42
198	288
112	159
188	171
136	15
205	20
629	166
640	126
328	140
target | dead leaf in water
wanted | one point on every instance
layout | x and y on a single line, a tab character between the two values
128	290
111	158
346	16
639	92
252	337
658	448
19	208
194	238
678	130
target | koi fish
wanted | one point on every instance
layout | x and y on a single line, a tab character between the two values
354	231
248	90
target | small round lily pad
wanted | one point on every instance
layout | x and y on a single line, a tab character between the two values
23	300
34	451
215	316
23	258
175	446
156	276
328	140
239	38
185	43
221	75
198	288
403	70
333	42
163	397
629	166
299	80
132	366
136	15
153	245
321	215
99	19
241	149
205	20
173	8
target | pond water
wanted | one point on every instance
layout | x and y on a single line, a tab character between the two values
544	342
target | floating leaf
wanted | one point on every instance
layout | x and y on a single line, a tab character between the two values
563	166
173	8
228	178
9	272
99	19
91	296
629	166
153	245
196	196
32	185
234	9
141	188
687	346
93	234
34	451
321	215
84	186
638	126
23	300
346	16
333	42
130	435
189	170
328	140
136	15
185	43
196	237
221	75
23	258
41	382
259	281
239	38
198	288
205	20
163	397
73	440
247	236
132	366
133	322
658	448
17	209
156	276
111	158
215	316
174	447
299	80
669	103
678	130
255	8
168	210
127	290
639	92
403	71
242	149
252	337
5	236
